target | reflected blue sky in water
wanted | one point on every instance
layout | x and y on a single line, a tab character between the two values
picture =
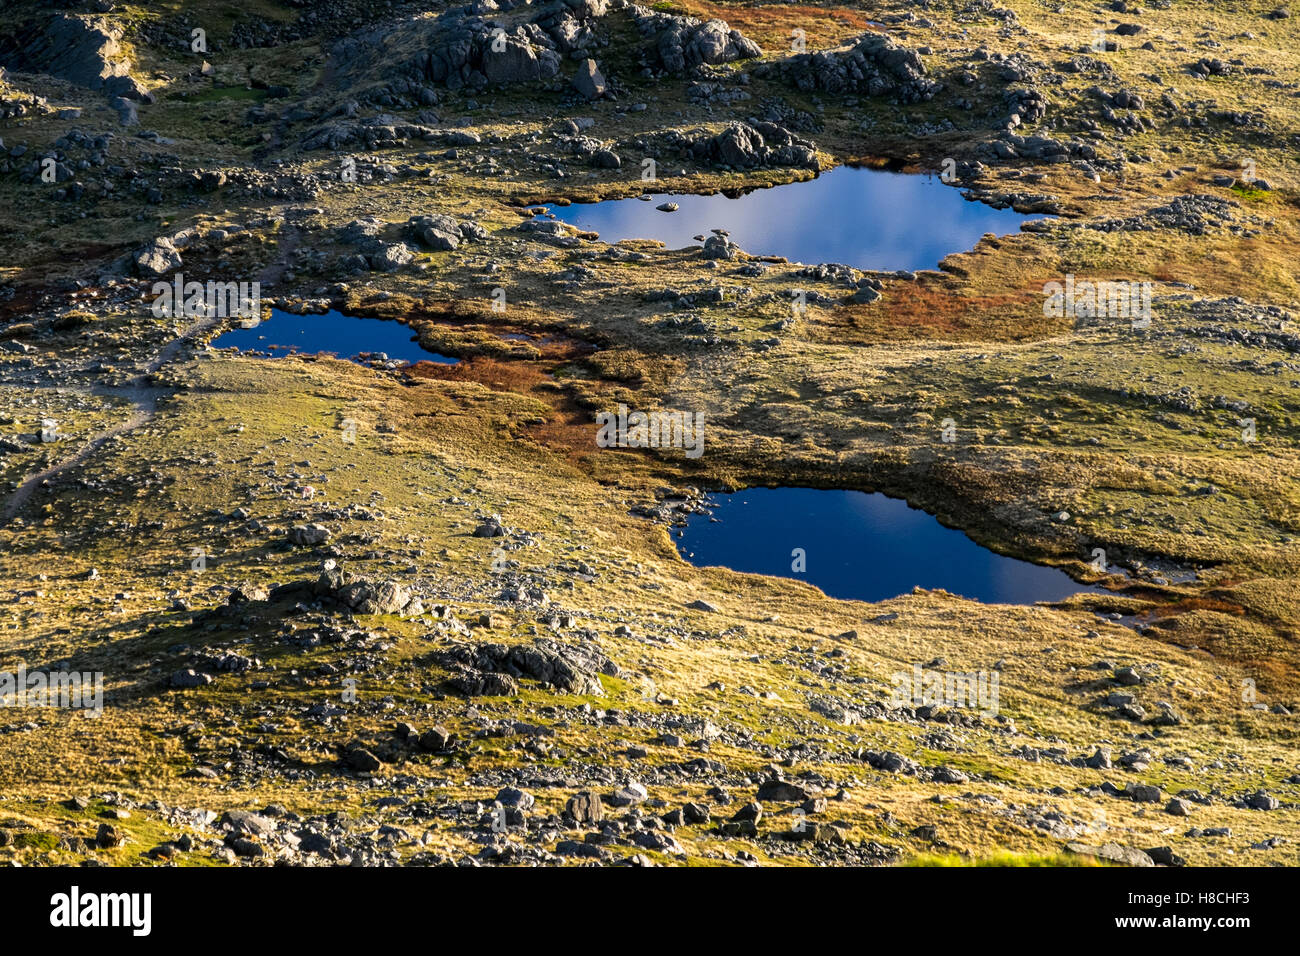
865	218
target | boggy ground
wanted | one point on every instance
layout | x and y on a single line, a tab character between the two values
630	726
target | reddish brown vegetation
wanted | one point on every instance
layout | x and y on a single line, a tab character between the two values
770	25
926	309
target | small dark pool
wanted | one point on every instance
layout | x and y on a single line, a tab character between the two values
333	333
860	546
866	218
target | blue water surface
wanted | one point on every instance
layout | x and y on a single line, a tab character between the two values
866	218
345	336
860	546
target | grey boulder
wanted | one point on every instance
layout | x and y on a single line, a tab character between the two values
589	81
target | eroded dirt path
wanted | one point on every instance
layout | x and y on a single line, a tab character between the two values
142	396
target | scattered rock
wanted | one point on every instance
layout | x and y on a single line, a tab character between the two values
1112	852
589	81
188	678
1143	793
308	535
585	808
159	257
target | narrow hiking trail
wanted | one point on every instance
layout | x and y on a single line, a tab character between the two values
143	397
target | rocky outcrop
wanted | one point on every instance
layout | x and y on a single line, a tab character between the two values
388	256
1112	853
478	669
376	131
592	151
405	64
524	55
15	104
1043	148
159	257
720	247
443	232
376	253
873	65
1195	214
573	25
453	50
1024	105
746	146
678	44
360	594
85	51
205	666
308	535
